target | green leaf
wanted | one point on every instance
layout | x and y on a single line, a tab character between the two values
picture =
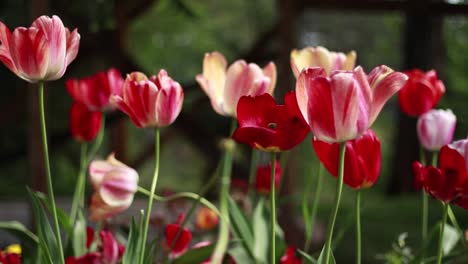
261	225
132	250
196	255
239	254
322	256
449	239
47	241
149	252
279	241
63	219
308	258
241	227
19	230
79	235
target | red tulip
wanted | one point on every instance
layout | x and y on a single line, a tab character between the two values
448	182
267	126
290	257
110	252
41	52
182	243
421	92
114	187
95	91
153	102
362	159
263	178
343	106
321	57
84	124
226	85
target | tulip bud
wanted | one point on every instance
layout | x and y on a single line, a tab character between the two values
206	219
435	129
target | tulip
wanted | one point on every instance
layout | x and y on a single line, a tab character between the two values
320	57
362	159
84	124
95	91
182	242
421	93
343	106
267	126
225	86
153	102
435	129
263	178
206	219
114	184
41	52
110	252
290	257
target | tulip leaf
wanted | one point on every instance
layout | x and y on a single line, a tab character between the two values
261	225
196	255
308	258
321	260
79	235
239	254
132	250
241	227
63	219
47	240
18	229
449	239
149	252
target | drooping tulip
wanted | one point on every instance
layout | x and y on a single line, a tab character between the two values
435	129
150	102
344	105
321	57
84	124
267	126
362	159
421	92
95	91
206	219
183	241
263	178
114	187
41	52
226	85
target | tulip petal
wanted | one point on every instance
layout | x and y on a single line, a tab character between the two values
5	54
169	104
110	247
302	84
118	187
270	71
73	44
182	241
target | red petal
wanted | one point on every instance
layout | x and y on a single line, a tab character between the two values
5	54
253	111
84	124
182	242
255	137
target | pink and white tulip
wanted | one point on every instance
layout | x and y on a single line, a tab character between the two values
323	58
41	52
150	102
344	105
114	187
435	129
226	85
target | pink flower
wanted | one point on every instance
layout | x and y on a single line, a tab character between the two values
435	129
320	57
225	86
114	187
344	105
153	102
41	52
109	252
95	91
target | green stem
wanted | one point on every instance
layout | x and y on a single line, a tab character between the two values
358	227
179	195
99	138
151	196
223	235
441	234
424	215
252	171
339	189
50	188
273	209
313	215
78	195
454	221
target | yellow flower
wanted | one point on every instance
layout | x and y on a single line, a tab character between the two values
14	248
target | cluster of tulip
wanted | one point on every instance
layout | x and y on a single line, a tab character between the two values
333	99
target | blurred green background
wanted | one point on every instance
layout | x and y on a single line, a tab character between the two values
150	35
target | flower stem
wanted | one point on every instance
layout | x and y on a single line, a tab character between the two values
50	188
151	195
358	227
273	208
311	221
223	235
441	234
339	188
253	170
424	206
99	138
78	196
